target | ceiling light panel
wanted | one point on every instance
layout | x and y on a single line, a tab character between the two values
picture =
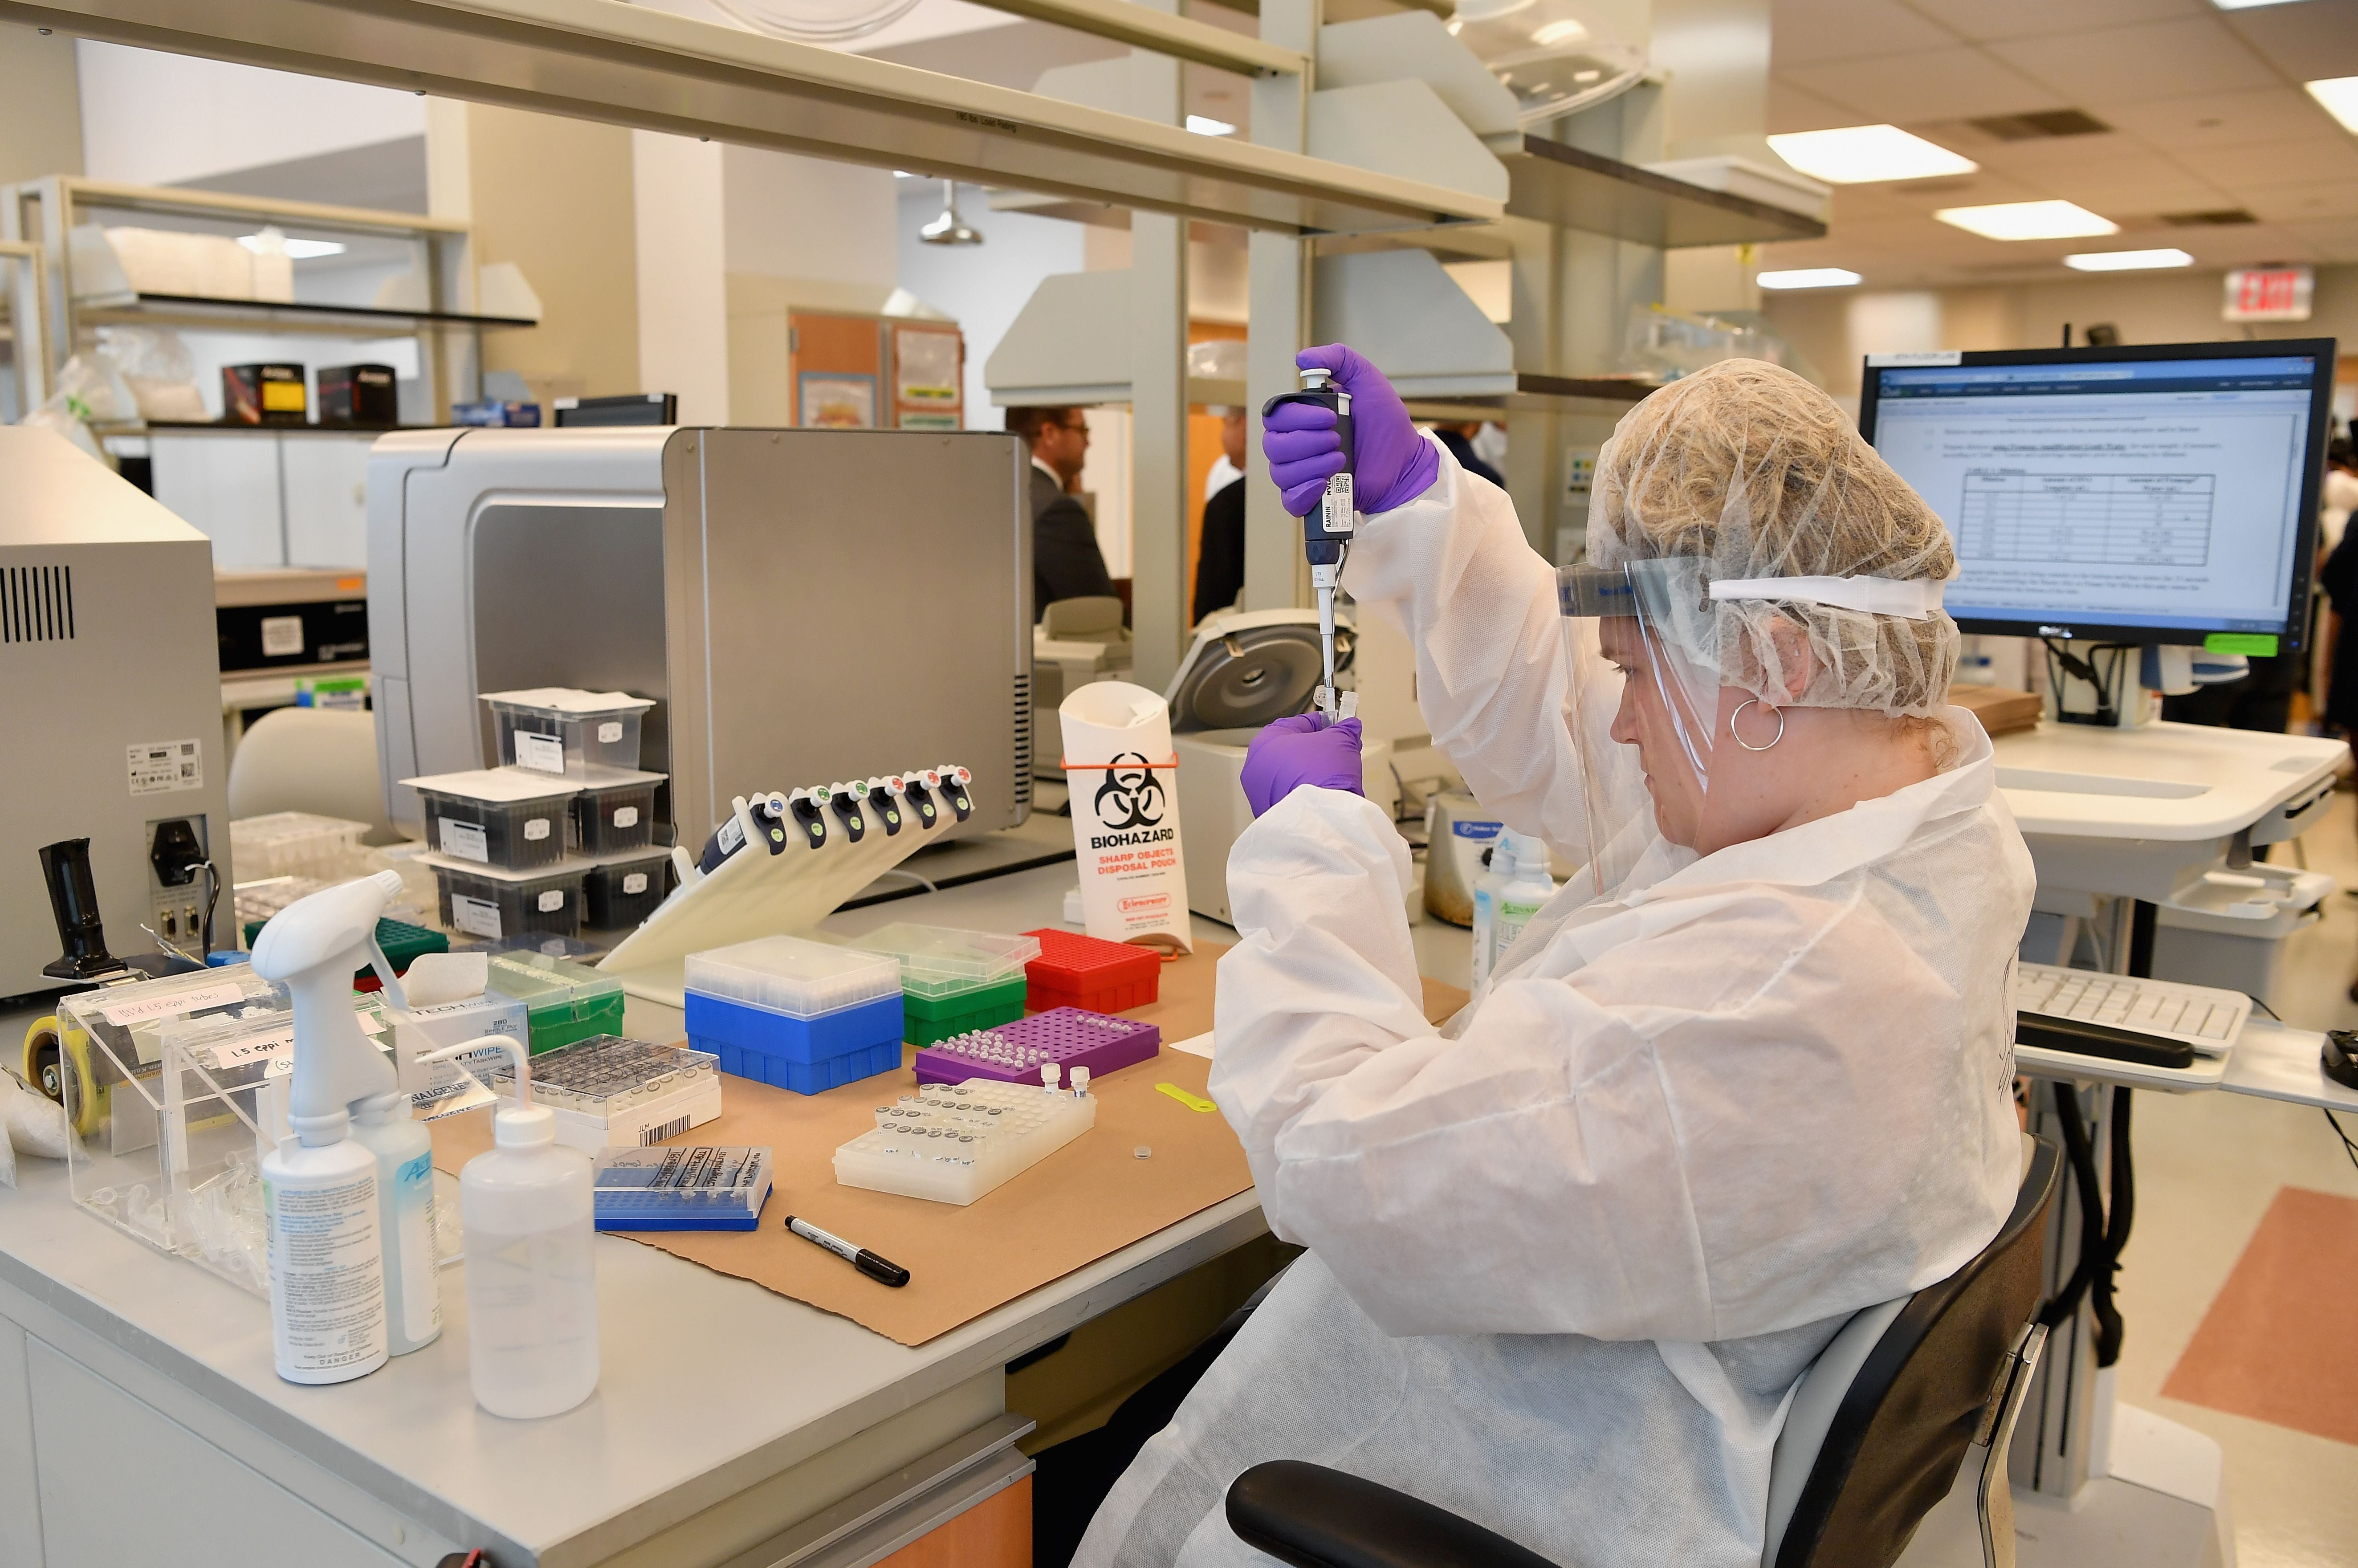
2028	221
1809	277
1857	154
2126	261
2338	95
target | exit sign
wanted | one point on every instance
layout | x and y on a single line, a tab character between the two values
2269	293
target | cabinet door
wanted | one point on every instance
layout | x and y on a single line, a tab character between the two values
121	1483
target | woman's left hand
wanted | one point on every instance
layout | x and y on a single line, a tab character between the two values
1304	750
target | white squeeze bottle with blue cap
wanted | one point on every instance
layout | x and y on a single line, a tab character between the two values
1486	888
404	1190
532	1276
1529	886
319	1186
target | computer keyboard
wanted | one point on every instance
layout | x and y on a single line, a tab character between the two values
2197	1016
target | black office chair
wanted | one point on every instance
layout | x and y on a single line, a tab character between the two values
1905	1394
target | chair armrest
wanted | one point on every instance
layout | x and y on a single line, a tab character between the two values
1313	1516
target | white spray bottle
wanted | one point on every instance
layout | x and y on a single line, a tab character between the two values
532	1275
1529	887
319	1186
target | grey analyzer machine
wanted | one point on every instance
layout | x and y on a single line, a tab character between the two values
110	699
802	605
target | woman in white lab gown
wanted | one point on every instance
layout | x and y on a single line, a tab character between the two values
1569	1255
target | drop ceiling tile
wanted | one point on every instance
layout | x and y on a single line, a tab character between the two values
1925	85
2333	240
1992	19
1807	32
2261	166
2117	185
1984	190
2305	204
2315	38
1792	108
2029	156
2219	119
2156	60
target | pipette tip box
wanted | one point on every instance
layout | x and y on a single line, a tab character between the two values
1014	1053
1073	970
801	1015
611	1092
954	980
707	1188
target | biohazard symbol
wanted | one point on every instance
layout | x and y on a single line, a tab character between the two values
1130	793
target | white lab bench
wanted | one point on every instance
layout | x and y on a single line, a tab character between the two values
141	1420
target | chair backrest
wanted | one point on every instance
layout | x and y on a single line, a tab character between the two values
1094	617
1892	1403
320	760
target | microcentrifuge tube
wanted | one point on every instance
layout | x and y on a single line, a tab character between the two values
1140	1153
1050	1074
1080	1082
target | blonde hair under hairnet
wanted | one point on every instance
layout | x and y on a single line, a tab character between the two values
1759	474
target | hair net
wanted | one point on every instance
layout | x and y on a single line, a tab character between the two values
1753	473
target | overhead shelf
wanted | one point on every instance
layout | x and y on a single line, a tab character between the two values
109	429
1562	185
1532	395
636	66
200	310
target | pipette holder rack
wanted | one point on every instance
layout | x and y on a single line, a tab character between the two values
755	893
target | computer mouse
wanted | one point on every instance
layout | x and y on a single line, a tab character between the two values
2339	1057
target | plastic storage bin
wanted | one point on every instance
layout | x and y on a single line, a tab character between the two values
504	818
148	1131
802	1016
564	1002
2228	929
616	813
482	902
1091	973
578	735
297	844
954	980
621	892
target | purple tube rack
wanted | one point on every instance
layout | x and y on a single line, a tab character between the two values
1013	1052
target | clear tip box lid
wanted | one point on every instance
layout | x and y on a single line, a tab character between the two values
607	1074
499	786
937	960
568	701
795	976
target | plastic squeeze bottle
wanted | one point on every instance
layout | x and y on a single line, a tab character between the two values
1528	887
1486	908
319	1185
404	1190
532	1276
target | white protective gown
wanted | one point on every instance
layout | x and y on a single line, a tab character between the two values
1569	1255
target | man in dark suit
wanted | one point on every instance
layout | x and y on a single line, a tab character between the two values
1066	560
1220	554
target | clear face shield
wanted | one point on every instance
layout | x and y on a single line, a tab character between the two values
1641	645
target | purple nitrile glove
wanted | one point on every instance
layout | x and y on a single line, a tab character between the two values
1391	465
1304	750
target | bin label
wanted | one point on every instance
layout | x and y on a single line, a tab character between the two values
541	753
475	916
463	840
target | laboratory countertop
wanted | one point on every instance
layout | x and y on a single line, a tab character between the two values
709	1385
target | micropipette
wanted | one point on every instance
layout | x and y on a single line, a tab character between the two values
1327	531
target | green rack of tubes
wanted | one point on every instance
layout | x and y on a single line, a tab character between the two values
564	1002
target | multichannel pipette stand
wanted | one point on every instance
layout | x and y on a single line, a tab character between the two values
756	893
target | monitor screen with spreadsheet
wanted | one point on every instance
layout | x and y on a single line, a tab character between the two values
2126	495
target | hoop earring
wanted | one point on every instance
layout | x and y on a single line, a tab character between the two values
1749	702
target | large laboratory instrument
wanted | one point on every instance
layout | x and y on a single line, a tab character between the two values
110	699
799	604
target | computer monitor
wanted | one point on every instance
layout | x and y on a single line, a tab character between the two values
2163	494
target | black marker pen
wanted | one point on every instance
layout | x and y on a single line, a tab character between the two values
859	1257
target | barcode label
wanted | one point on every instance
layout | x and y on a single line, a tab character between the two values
541	753
672	1128
464	840
475	916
